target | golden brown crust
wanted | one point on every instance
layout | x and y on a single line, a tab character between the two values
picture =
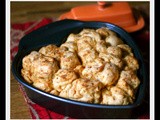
115	96
39	70
50	51
109	75
69	60
62	78
83	90
92	66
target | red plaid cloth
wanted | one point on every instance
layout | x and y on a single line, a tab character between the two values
38	112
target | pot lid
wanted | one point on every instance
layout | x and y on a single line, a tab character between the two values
118	13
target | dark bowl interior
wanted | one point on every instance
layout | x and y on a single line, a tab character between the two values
56	33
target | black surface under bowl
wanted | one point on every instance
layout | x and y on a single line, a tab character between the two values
56	33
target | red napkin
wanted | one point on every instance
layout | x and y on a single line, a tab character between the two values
38	112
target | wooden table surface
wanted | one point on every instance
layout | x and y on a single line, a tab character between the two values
22	12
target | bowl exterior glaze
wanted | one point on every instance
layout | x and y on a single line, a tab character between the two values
56	33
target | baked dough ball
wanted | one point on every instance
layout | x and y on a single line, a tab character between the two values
68	46
112	59
44	68
87	55
91	33
126	87
126	50
27	60
115	51
104	32
131	78
101	46
128	82
115	96
73	38
83	90
84	44
26	65
69	60
51	51
93	68
113	40
62	78
109	75
131	63
40	69
43	85
88	40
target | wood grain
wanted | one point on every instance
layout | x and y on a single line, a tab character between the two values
32	11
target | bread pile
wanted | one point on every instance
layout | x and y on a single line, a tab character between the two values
93	66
